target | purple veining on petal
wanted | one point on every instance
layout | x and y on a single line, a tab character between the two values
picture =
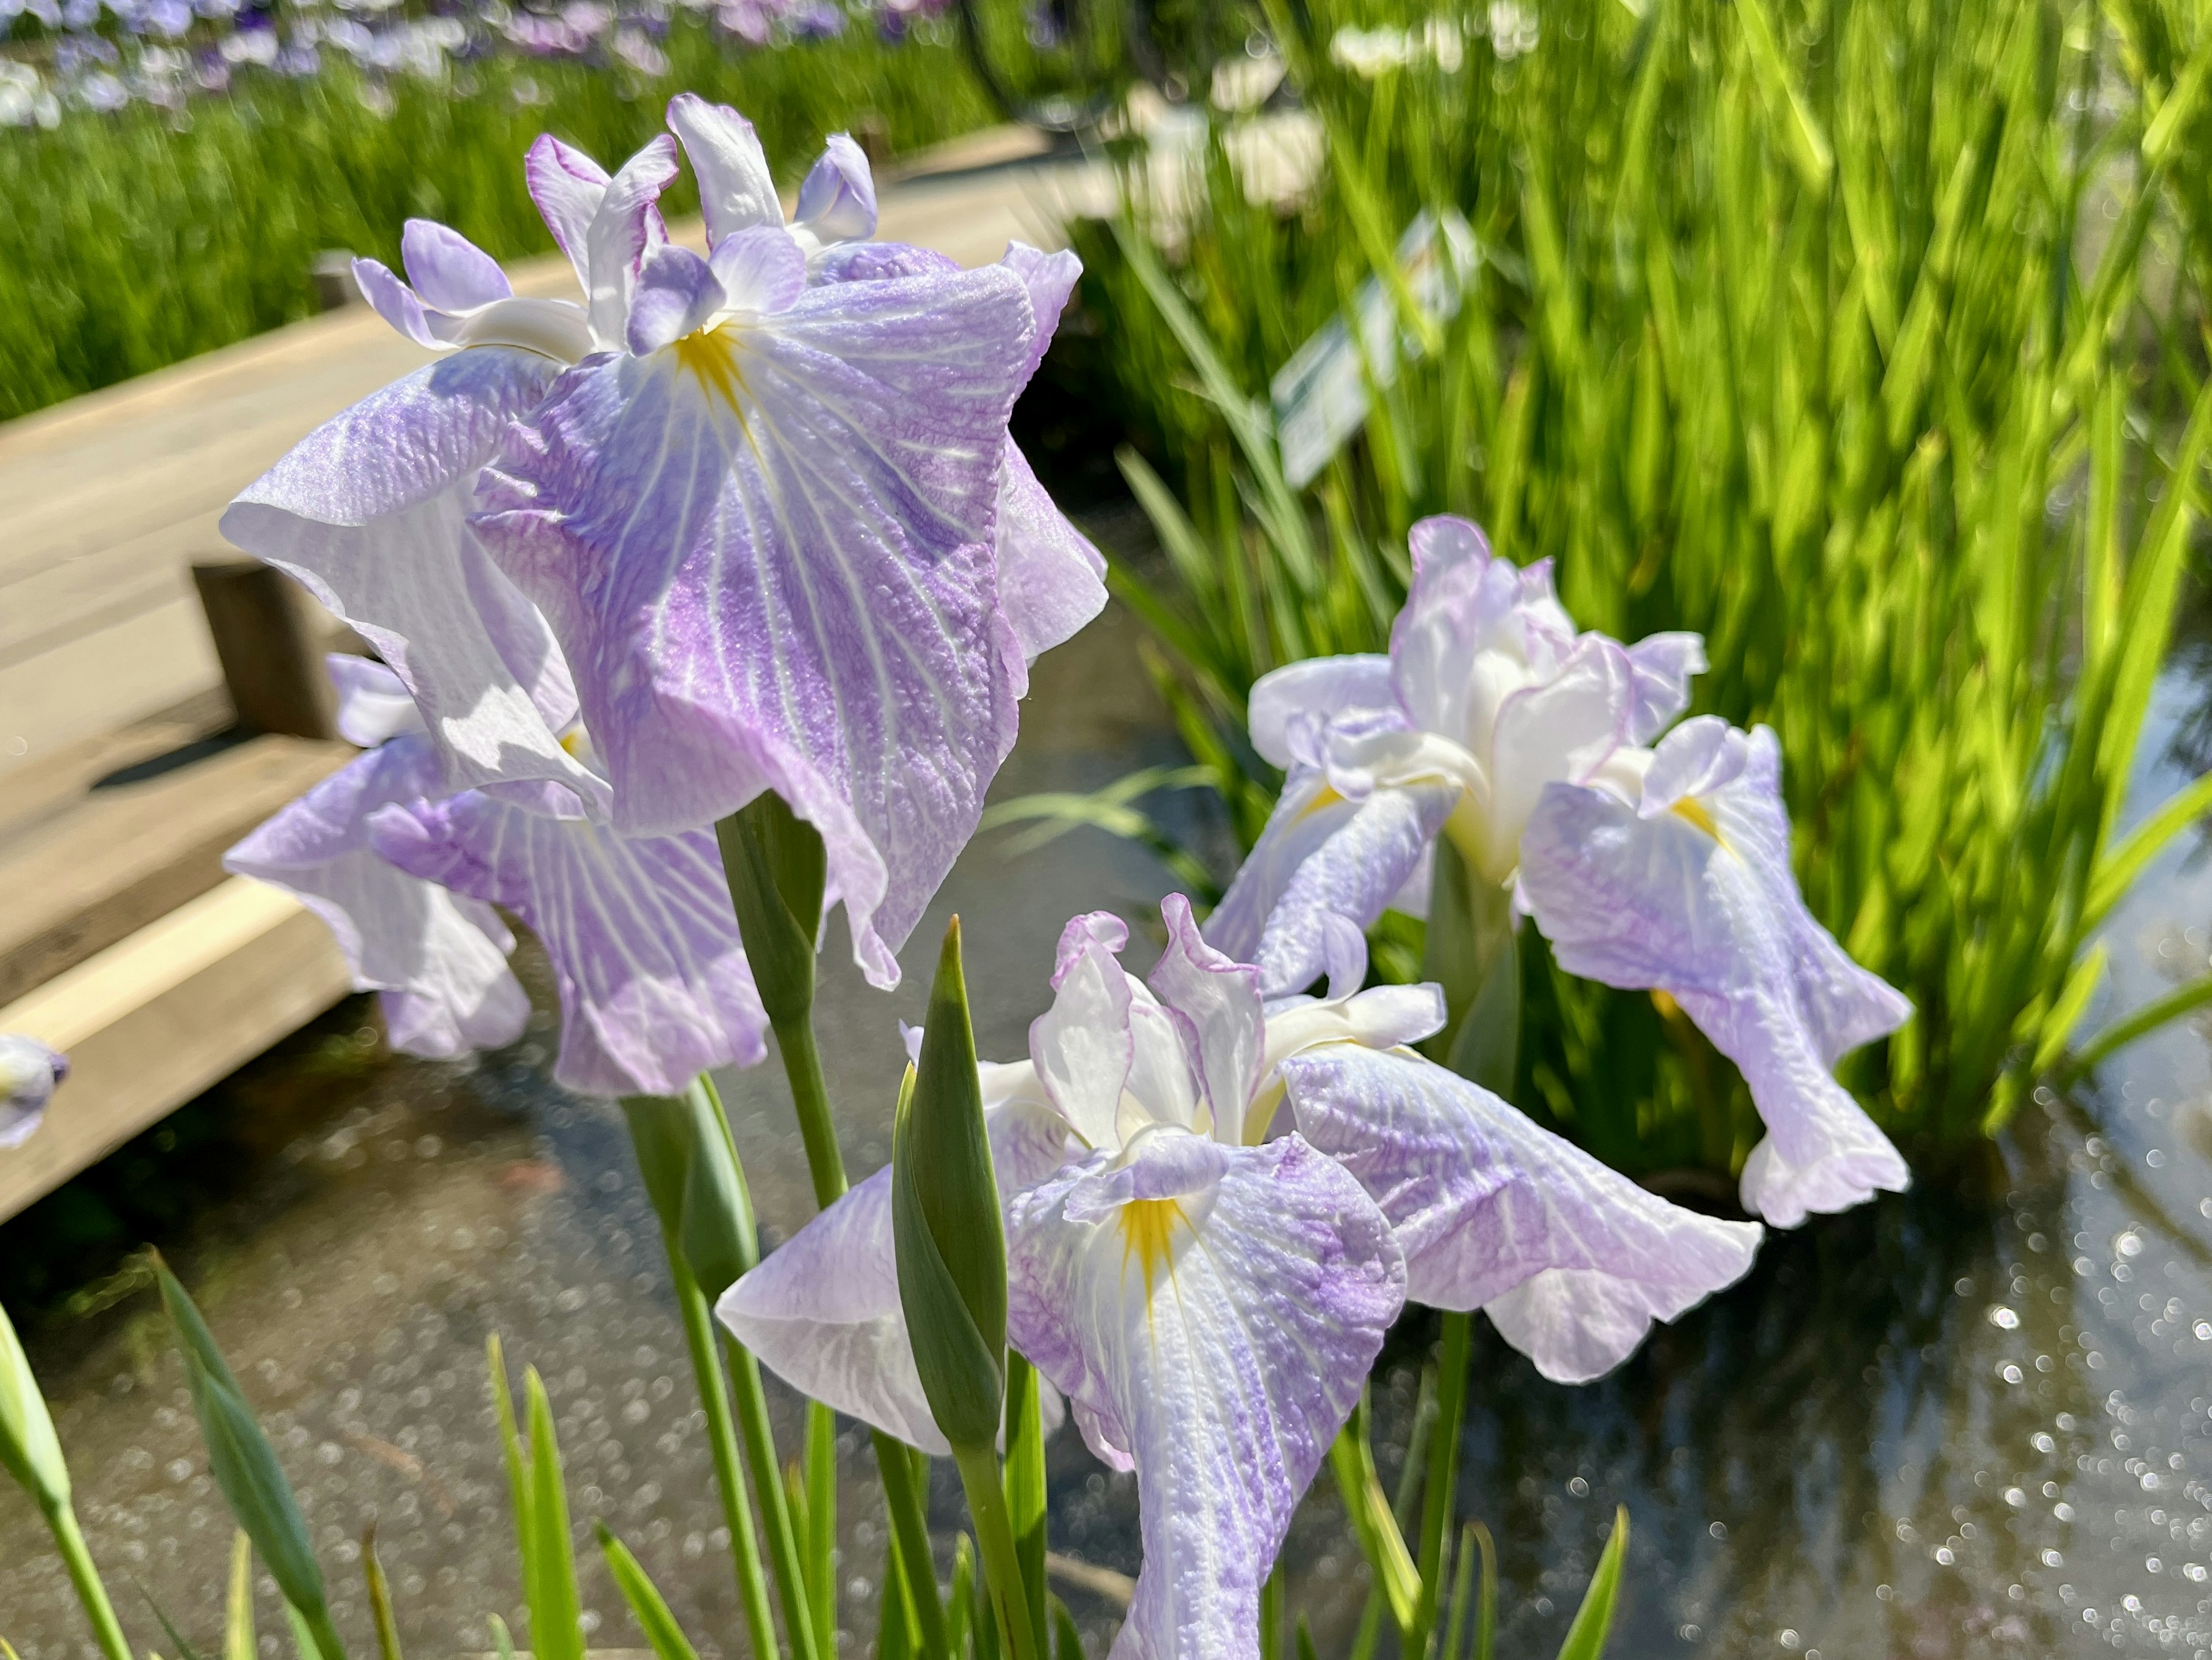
765	551
1699	901
1488	1205
1214	1342
439	959
654	987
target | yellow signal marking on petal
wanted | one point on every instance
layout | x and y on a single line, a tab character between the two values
1326	796
1148	1228
712	356
1693	810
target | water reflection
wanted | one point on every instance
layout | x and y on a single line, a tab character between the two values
1953	1423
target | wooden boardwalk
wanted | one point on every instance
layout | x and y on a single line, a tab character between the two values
121	940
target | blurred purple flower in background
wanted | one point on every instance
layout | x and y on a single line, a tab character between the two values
29	1073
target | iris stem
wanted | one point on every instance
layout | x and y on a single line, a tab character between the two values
84	1575
809	1096
994	1538
903	1498
722	1440
759	1442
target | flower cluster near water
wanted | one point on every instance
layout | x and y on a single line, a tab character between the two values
95	56
748	527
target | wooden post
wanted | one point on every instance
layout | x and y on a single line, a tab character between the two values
333	275
269	637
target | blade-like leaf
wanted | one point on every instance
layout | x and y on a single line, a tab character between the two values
380	1597
1593	1620
238	1605
645	1604
555	1612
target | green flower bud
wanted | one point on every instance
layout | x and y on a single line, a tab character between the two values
697	1188
777	869
945	1222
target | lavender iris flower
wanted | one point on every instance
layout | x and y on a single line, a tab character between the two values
1691	841
29	1073
1215	1206
768	534
438	960
1494	723
652	976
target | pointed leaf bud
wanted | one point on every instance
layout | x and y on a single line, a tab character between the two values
697	1188
945	1222
777	870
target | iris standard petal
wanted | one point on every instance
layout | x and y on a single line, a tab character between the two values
439	959
1323	870
736	190
821	1311
1663	666
1214	1338
654	987
448	270
837	200
29	1072
396	303
1699	901
677	293
1319	687
568	187
373	702
765	551
1219	1000
369	511
1484	1201
761	269
1560	730
1082	1046
621	230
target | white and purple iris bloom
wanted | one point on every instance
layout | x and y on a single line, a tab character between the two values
653	980
1215	1208
29	1074
1649	862
756	517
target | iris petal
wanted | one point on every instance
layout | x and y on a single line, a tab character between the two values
369	511
439	959
654	987
1701	903
1214	1339
1487	1204
765	551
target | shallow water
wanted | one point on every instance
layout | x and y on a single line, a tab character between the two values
1920	1430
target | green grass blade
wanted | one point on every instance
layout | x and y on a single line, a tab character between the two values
1593	1620
1373	1521
822	1516
2182	1000
1462	1595
238	1636
380	1597
555	1632
2125	862
647	1605
177	1640
2066	1013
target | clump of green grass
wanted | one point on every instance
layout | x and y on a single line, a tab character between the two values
1860	338
134	240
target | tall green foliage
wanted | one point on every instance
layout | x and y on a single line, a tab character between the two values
134	240
1855	337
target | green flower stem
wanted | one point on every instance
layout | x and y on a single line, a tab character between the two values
722	1440
759	1441
909	1515
809	1095
994	1535
1443	1472
84	1574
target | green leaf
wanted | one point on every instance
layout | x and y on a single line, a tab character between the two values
238	1605
661	1632
1067	1636
2120	867
1373	1521
1025	1490
245	1467
1486	1605
2182	1000
177	1640
1593	1620
946	1221
29	1450
380	1597
2073	1003
502	1644
555	1610
1809	150
822	1517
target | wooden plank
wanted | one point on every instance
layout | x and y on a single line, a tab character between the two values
88	870
155	1018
